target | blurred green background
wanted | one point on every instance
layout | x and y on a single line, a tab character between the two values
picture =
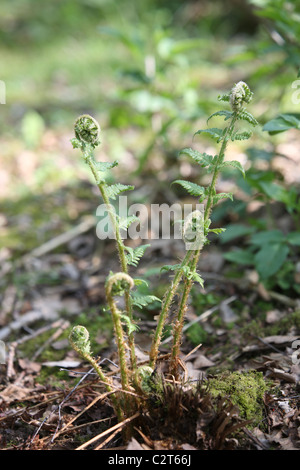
150	71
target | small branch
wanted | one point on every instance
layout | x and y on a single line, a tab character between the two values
108	431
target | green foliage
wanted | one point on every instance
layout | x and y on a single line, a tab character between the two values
135	254
196	334
116	189
282	123
143	300
196	224
192	188
267	250
187	272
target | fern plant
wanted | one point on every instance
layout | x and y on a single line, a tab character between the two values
239	96
195	229
87	138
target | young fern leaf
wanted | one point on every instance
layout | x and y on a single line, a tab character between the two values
234	164
114	190
225	97
241	135
246	116
196	278
227	114
170	267
143	300
203	159
217	230
189	274
135	254
219	196
104	166
214	132
131	327
125	222
192	188
140	282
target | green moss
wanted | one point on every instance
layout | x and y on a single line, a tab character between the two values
54	377
258	327
244	389
196	334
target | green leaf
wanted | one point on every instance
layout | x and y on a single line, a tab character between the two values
131	327
270	258
227	114
104	166
140	282
143	300
125	222
282	123
217	230
192	188
274	191
225	97
234	231
246	116
266	237
197	278
135	254
115	189
239	256
241	135
235	164
219	196
293	238
203	159
170	267
213	132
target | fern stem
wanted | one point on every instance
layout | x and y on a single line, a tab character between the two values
121	251
119	335
165	309
193	262
79	340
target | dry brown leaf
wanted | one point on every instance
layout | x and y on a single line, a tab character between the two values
15	393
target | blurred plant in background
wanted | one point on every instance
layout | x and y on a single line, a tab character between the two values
149	71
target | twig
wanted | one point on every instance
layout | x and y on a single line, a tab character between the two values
108	431
61	327
64	429
109	438
192	351
61	239
12	346
59	407
30	317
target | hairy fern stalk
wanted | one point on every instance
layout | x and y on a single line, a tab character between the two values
238	97
87	133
